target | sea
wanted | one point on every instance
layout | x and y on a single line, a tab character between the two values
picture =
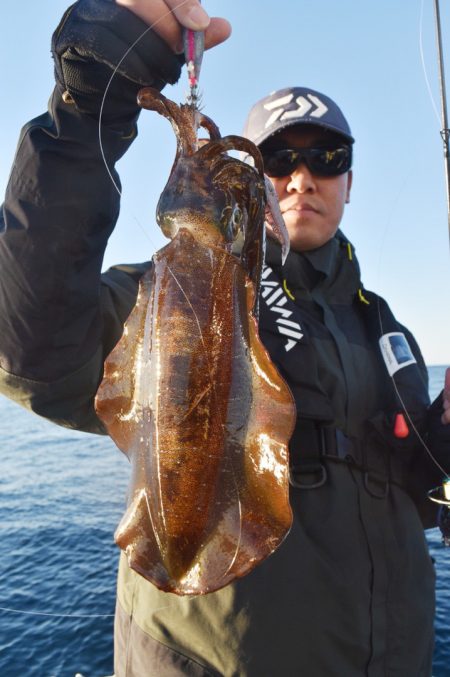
62	494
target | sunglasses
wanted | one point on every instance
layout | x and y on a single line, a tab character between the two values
320	161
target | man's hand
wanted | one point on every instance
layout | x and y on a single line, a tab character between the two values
446	399
93	41
167	17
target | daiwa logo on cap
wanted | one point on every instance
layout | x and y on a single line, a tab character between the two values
309	104
292	106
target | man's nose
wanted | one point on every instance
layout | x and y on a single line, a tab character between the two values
301	180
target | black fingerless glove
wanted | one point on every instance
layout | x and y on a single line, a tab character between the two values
90	41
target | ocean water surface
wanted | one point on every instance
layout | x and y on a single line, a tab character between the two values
62	494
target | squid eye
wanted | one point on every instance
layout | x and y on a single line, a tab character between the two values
237	216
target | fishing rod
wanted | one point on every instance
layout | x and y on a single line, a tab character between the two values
443	497
445	131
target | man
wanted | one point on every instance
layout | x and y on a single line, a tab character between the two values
351	590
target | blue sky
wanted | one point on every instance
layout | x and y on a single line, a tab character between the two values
365	55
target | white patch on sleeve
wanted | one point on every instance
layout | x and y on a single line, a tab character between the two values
396	351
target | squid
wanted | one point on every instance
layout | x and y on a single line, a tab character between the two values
189	393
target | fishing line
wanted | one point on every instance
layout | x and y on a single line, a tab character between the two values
148	236
105	94
86	616
380	321
394	205
403	405
44	613
424	68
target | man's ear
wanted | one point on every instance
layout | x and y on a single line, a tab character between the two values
349	186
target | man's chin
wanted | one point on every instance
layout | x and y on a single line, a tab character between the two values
296	219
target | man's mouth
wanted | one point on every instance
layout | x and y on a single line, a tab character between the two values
303	207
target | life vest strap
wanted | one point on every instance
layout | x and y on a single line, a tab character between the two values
314	443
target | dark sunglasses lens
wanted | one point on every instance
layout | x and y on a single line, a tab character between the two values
329	162
280	163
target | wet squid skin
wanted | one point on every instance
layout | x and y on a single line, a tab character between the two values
189	393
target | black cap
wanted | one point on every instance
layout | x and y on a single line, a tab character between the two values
294	106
